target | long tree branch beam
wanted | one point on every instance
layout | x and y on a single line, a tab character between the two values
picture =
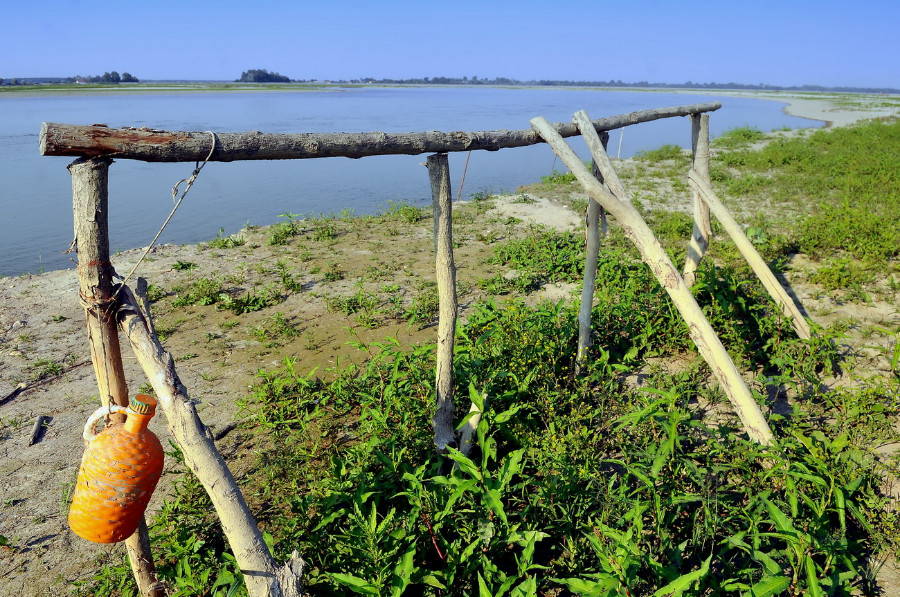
169	146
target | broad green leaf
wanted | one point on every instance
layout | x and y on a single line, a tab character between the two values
402	573
463	487
782	522
482	588
525	589
769	563
769	586
354	583
812	578
432	581
840	502
493	501
476	397
605	586
511	466
465	464
684	582
507	414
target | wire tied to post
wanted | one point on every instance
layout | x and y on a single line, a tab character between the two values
177	201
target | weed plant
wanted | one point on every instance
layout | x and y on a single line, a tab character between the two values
225	242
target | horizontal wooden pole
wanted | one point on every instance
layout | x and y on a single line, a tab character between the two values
150	145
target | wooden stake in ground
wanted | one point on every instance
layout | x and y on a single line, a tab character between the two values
702	225
653	254
445	271
754	259
90	203
261	576
595	214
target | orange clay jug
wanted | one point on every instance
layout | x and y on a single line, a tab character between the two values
119	471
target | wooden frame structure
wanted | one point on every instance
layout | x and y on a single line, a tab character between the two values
111	308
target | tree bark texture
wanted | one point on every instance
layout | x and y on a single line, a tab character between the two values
445	271
261	576
754	259
702	225
90	203
167	146
595	213
653	254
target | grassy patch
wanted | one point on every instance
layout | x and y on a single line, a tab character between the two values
662	153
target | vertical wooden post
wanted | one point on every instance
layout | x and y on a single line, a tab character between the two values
442	422
90	202
595	213
702	225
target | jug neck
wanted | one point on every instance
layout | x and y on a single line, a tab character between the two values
140	410
137	422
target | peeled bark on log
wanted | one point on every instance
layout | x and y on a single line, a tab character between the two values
653	254
702	226
261	576
169	146
90	206
757	263
445	271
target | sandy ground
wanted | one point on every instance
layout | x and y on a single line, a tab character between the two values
41	322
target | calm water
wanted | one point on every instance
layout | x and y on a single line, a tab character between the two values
36	221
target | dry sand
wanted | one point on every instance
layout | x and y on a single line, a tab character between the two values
40	319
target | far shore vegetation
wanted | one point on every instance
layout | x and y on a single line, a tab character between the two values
263	76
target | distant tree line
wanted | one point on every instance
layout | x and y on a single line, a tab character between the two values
112	77
261	75
612	83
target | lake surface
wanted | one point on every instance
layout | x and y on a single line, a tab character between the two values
36	216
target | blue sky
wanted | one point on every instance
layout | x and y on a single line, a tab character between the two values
783	43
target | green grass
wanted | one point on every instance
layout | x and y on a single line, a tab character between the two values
663	153
847	179
738	137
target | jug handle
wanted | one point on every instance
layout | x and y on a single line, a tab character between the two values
104	411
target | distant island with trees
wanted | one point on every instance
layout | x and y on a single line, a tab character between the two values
263	76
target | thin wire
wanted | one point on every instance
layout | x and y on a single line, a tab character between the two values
190	182
465	168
